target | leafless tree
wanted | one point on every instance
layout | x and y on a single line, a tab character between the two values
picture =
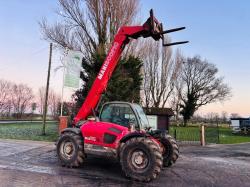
161	70
89	26
175	99
175	102
5	96
53	103
234	115
212	116
201	86
41	96
21	98
224	116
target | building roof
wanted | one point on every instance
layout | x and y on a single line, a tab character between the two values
240	118
159	111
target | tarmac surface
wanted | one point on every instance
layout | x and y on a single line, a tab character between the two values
28	163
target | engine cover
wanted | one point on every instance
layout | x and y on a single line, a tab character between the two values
103	134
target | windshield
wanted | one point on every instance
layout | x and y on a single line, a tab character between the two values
142	116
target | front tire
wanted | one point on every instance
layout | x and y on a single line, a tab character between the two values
141	159
70	150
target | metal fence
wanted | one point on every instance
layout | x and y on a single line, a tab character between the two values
212	134
192	135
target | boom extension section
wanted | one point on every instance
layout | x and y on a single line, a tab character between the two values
151	28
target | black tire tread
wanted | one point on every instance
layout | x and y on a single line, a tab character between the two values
79	159
155	151
169	160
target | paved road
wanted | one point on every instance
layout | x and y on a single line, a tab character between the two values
26	163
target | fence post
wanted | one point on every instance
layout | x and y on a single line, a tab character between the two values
202	135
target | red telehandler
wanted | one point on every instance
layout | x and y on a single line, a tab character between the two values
121	131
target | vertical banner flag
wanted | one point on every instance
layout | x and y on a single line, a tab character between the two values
72	64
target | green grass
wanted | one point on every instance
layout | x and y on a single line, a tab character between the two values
33	131
226	137
193	134
186	133
29	131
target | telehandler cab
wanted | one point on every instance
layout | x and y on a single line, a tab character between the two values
121	131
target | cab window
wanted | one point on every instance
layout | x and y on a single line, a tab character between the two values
120	114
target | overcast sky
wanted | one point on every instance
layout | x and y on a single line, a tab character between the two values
218	31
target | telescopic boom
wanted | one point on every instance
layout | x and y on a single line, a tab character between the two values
151	28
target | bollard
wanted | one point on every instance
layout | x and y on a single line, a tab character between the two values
202	135
63	123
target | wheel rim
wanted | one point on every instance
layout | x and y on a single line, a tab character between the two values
139	159
67	149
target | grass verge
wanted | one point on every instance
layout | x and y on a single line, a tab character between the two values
226	137
29	131
213	135
33	131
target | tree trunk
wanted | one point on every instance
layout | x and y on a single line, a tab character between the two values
185	122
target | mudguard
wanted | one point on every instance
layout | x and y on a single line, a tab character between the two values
132	135
73	130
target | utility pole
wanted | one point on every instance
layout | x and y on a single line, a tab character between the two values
47	91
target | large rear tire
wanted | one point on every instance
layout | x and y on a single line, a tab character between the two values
70	149
141	159
171	150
